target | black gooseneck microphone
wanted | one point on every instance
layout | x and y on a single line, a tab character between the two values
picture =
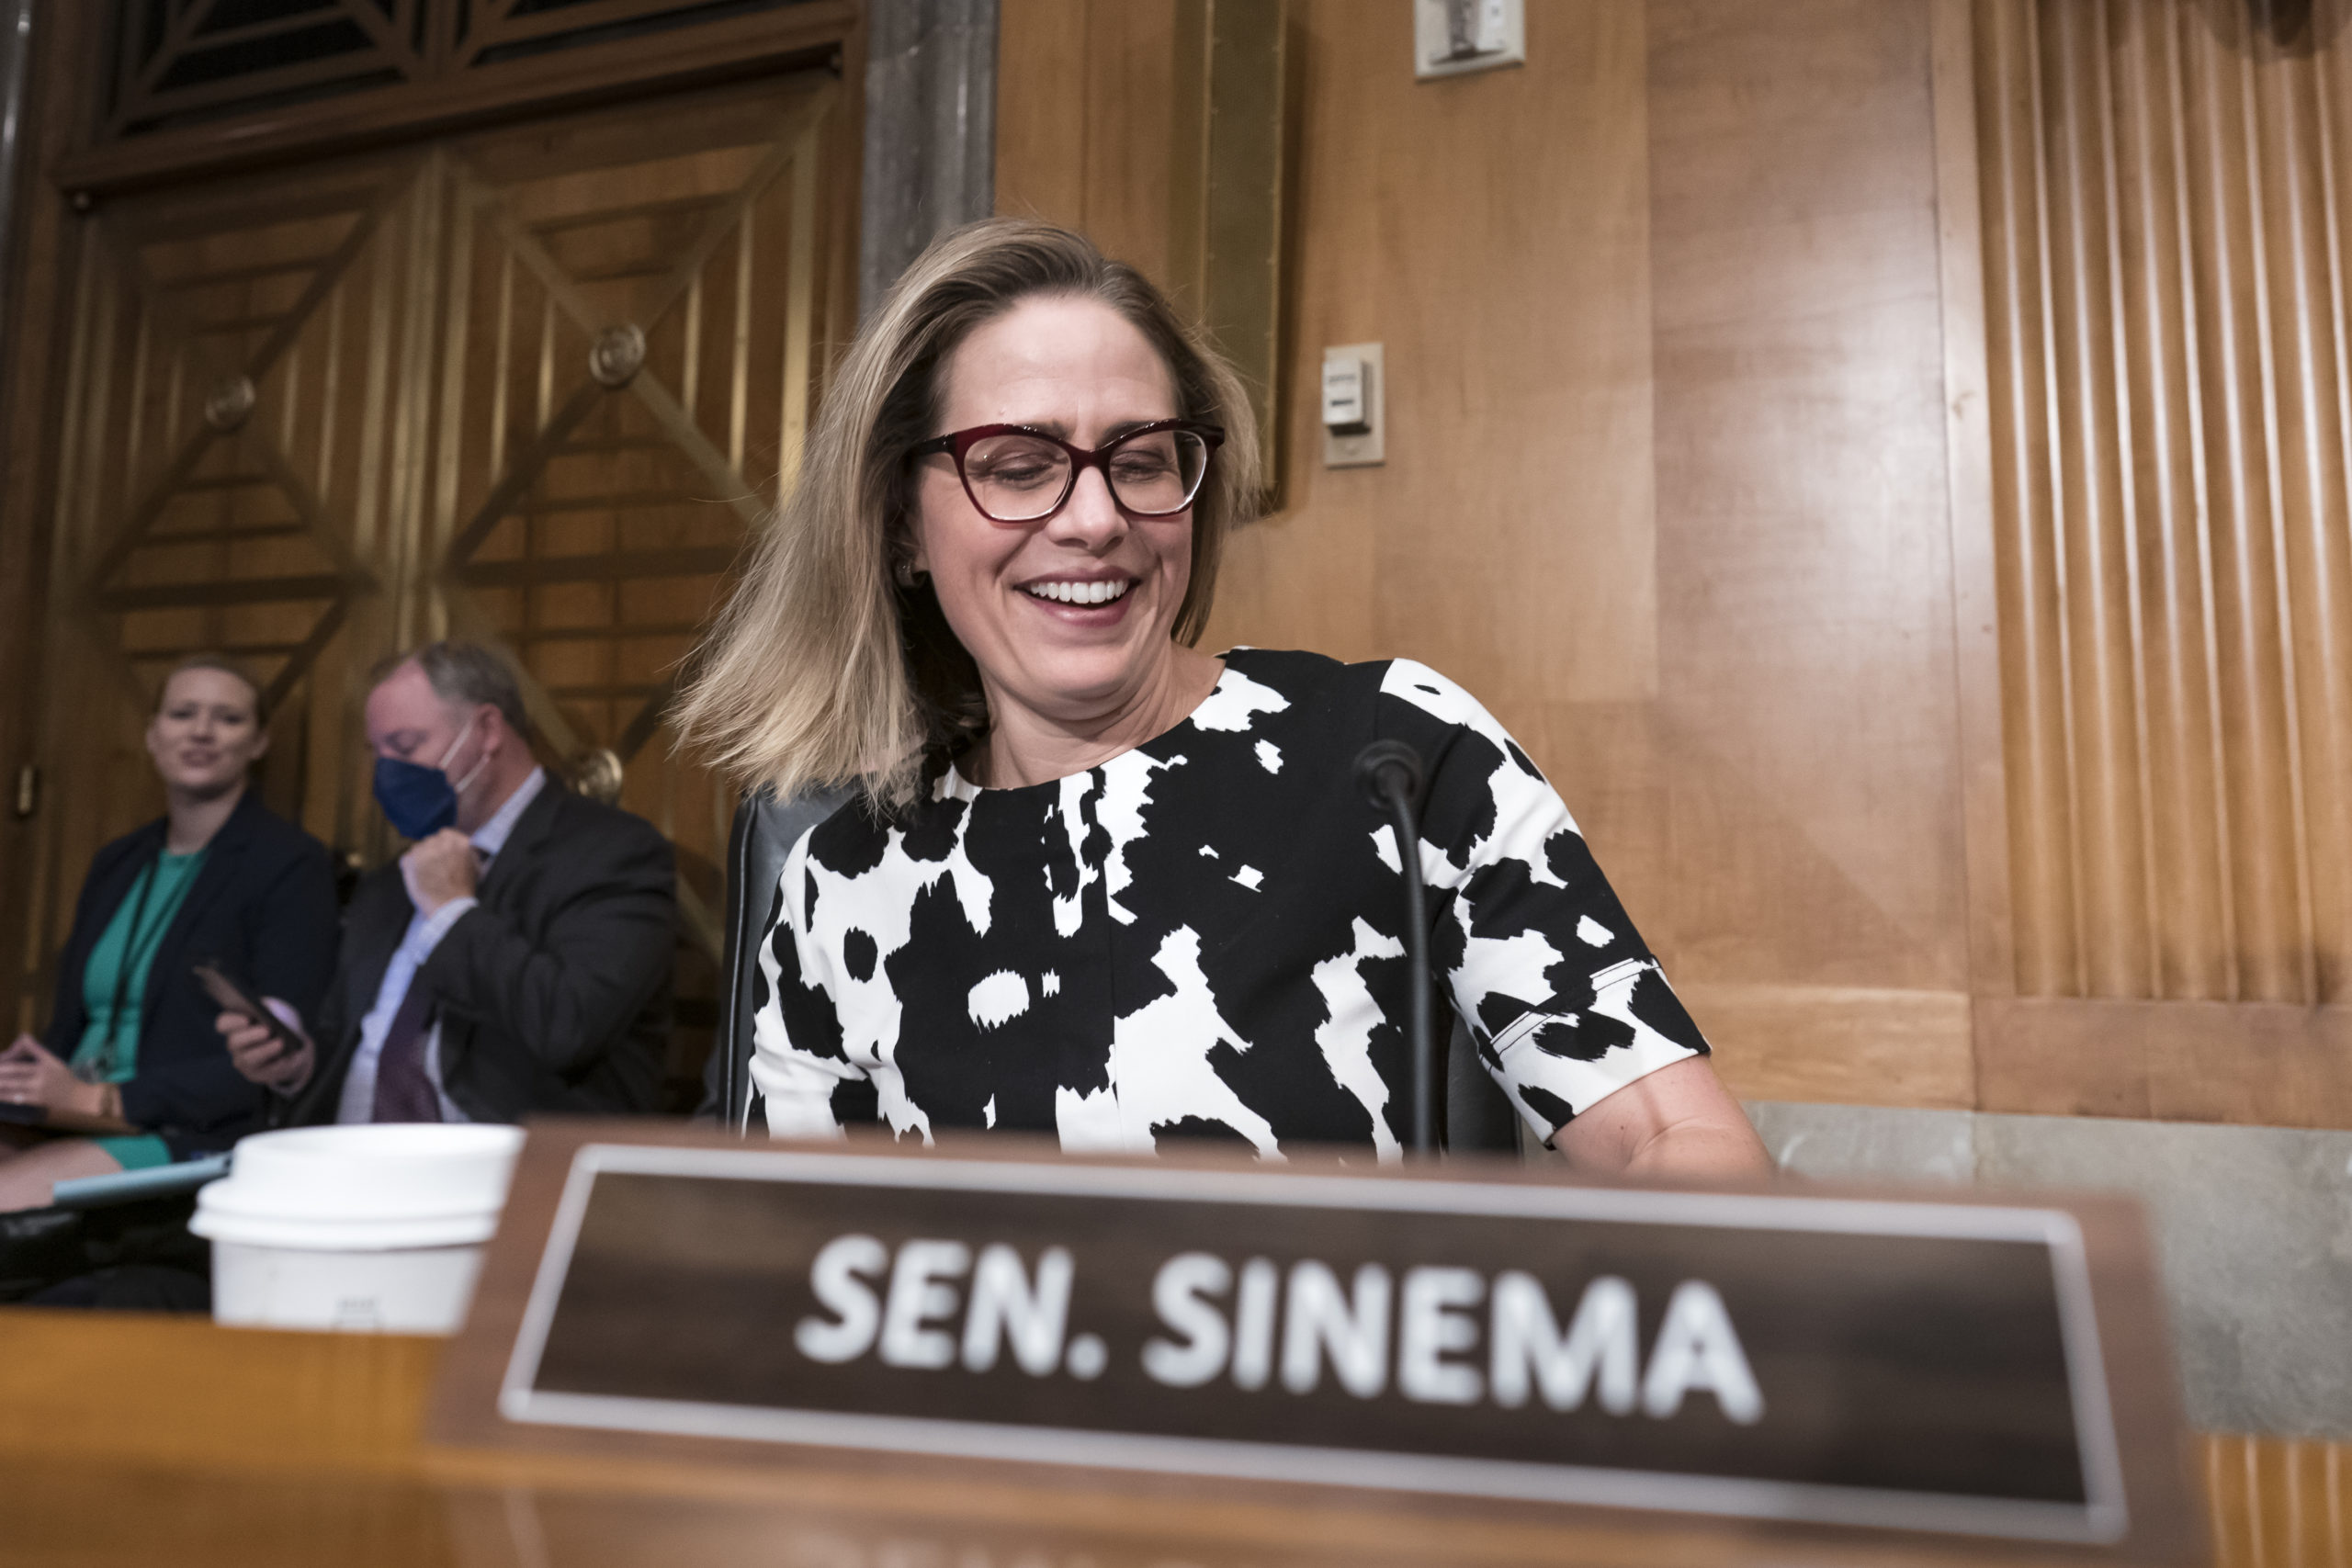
1390	773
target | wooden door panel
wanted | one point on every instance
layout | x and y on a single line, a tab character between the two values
222	478
536	386
632	341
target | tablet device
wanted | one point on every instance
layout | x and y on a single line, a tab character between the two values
129	1186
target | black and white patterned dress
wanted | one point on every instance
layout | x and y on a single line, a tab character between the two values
1199	937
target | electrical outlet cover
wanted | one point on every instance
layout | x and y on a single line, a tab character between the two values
1453	37
1370	448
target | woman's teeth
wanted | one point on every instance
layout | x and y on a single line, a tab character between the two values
1099	592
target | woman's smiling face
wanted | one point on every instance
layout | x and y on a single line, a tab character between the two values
1069	617
206	732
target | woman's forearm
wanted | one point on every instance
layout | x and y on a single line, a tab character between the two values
94	1109
1677	1121
1702	1148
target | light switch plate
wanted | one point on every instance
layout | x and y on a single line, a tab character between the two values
1453	37
1343	380
1371	446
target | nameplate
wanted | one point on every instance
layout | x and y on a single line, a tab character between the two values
1932	1366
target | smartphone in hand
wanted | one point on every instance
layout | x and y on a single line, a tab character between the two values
233	997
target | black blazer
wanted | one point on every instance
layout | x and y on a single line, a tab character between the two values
264	906
552	993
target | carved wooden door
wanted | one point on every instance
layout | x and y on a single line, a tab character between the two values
535	386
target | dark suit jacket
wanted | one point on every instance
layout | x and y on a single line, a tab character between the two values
262	906
552	994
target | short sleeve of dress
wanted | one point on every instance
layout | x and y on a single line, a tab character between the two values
797	1061
1565	1001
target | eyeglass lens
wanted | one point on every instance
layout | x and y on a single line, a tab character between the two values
1018	478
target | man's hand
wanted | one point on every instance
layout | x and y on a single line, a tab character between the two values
440	869
29	1075
255	1052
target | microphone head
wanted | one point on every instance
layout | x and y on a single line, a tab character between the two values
1388	770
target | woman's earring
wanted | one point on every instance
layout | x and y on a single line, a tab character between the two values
906	573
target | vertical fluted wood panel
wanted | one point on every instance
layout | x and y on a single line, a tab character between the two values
2035	736
2164	188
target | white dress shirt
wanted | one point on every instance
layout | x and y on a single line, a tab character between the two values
358	1102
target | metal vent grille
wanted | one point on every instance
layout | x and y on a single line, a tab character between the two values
188	61
185	63
541	27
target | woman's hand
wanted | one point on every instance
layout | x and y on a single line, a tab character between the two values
255	1051
30	1075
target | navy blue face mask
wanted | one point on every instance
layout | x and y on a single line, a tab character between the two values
419	801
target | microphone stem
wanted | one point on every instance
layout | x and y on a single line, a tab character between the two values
1416	960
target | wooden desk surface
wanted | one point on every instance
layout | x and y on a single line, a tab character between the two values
141	1440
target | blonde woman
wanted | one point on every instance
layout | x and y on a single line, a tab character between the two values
130	1072
1094	882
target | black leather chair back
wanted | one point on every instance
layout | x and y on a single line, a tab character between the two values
1477	1115
765	832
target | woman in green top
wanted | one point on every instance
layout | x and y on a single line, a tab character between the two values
132	1071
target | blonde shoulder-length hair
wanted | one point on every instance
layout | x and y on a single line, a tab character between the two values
823	669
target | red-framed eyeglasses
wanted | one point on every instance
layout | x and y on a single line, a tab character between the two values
1015	474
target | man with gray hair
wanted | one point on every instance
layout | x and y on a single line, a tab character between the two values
515	958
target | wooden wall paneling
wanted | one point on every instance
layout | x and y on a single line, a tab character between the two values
1229	136
2164	530
1043	120
2101	629
37	339
2328	350
2264	1064
1130	87
1665	484
2044	924
1949	605
2300	118
2278	1501
2256	789
1495	234
1507	539
2195	947
2232	217
1086	115
1968	457
1817	883
1840	1045
2165	260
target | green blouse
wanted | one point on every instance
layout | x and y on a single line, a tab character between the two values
118	969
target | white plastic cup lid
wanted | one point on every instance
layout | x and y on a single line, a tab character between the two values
396	1171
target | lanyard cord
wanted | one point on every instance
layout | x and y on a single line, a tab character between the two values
108	1053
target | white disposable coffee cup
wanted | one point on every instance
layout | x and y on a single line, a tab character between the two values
374	1228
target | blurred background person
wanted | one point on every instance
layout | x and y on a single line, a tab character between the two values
1096	882
130	1072
515	958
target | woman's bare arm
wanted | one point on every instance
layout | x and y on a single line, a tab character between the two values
1678	1122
